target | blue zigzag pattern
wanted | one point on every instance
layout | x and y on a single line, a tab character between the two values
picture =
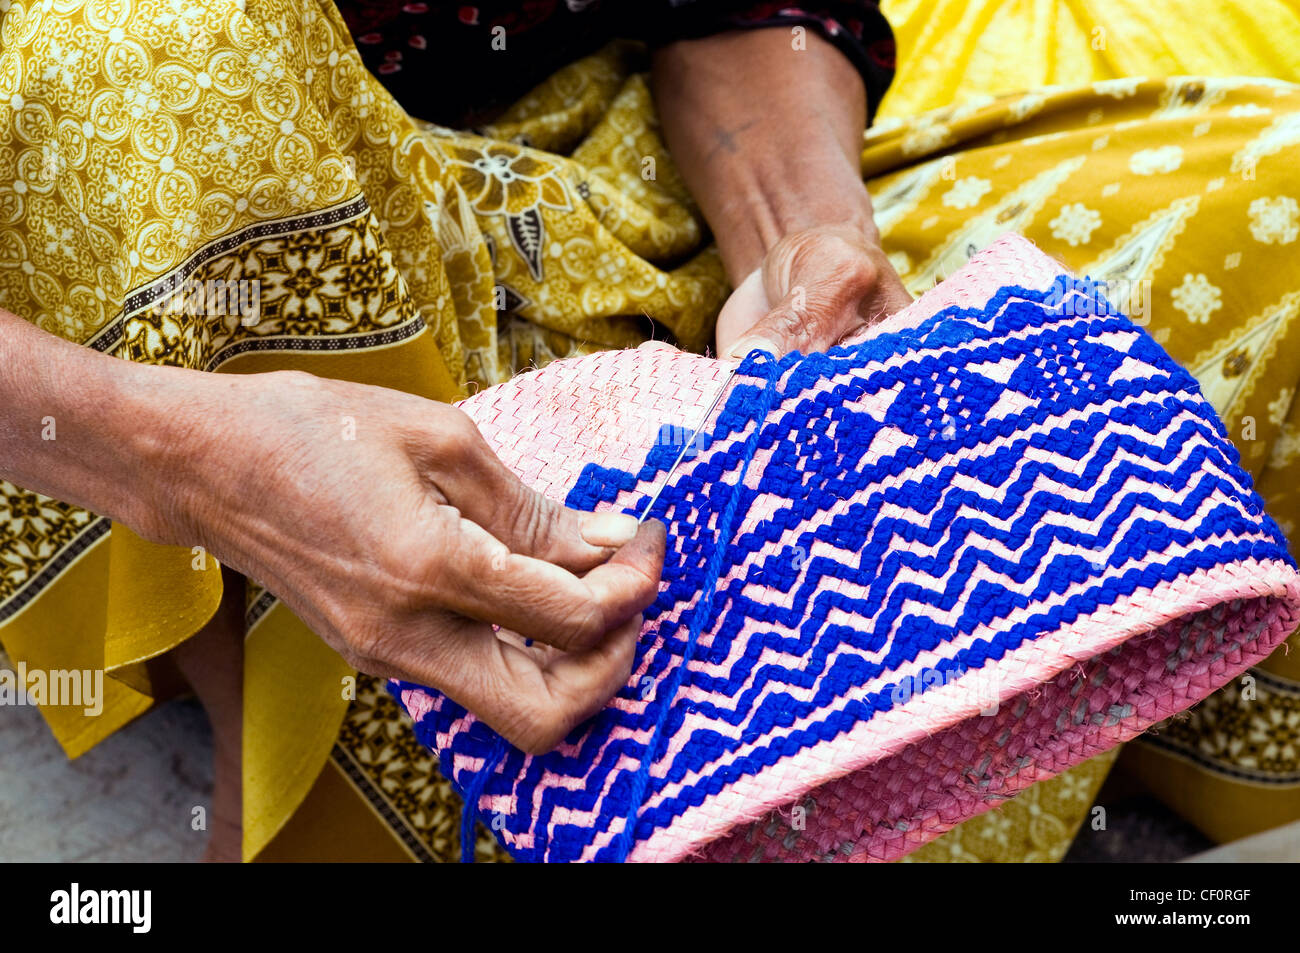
1112	436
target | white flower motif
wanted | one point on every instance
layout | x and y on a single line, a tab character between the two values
1027	105
1197	298
64	65
1286	446
1153	161
70	320
1276	731
1118	88
996	826
52	162
302	188
967	192
142	99
609	269
227	143
925	139
1275	220
362	102
1248	109
1075	224
60	240
118	187
1074	787
185	227
265	68
179	14
1278	407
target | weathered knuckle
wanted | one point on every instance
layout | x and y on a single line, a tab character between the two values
587	626
561	624
783	320
414	573
454	437
796	324
406	592
531	519
850	270
296	379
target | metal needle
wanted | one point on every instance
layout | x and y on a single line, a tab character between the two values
686	443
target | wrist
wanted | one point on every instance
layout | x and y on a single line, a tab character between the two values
765	209
69	425
768	137
172	450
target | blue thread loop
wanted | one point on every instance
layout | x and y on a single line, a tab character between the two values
770	366
473	792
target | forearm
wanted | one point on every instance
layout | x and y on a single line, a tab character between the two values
87	428
767	137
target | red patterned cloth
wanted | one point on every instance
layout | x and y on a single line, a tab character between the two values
445	61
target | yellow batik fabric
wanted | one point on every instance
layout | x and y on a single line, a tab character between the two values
953	51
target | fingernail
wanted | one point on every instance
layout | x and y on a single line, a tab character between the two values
740	350
609	529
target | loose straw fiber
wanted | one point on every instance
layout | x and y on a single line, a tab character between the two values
906	578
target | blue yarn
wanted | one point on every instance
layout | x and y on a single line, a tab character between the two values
474	791
709	588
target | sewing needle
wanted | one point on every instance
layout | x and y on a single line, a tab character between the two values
687	443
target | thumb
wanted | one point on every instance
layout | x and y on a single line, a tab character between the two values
825	304
531	524
811	316
743	309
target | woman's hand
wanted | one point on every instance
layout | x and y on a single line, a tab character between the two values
768	136
815	288
382	519
388	525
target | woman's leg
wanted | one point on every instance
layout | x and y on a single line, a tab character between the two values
213	664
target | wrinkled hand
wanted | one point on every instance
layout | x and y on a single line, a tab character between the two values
815	288
388	525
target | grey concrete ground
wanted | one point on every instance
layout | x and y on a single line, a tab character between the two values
129	799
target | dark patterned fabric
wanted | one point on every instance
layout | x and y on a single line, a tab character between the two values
480	57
